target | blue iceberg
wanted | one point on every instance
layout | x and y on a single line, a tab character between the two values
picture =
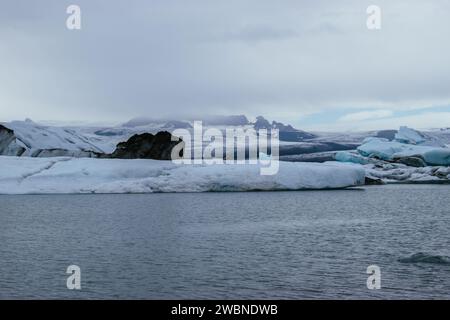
391	150
345	156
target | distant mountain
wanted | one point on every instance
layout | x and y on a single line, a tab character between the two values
173	124
139	122
233	120
287	132
27	138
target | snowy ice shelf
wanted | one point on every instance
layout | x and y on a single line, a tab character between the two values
24	175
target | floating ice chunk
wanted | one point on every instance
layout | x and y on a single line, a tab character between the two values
84	175
345	156
383	149
390	150
437	157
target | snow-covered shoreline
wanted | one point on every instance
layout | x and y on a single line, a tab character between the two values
25	175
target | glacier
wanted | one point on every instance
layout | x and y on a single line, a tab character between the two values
63	175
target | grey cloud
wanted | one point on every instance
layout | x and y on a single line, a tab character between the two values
155	58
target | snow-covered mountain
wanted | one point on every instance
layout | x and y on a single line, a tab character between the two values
27	138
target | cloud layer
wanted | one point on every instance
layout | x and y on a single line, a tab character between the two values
285	60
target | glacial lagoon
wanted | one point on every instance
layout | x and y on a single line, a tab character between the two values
255	245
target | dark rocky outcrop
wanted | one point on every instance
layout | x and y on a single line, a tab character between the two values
261	123
373	181
147	146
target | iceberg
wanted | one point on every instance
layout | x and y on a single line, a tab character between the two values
390	150
397	162
25	175
346	156
409	136
431	138
43	141
437	156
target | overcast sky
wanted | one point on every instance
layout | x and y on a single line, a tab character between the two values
310	63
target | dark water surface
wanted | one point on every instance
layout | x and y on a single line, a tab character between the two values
290	245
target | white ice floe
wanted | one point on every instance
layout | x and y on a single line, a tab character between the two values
24	175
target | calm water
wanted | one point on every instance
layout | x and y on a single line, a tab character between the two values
296	245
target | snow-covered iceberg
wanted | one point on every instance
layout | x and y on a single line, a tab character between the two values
27	138
390	150
24	175
409	158
409	136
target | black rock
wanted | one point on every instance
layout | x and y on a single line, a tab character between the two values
147	146
373	181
